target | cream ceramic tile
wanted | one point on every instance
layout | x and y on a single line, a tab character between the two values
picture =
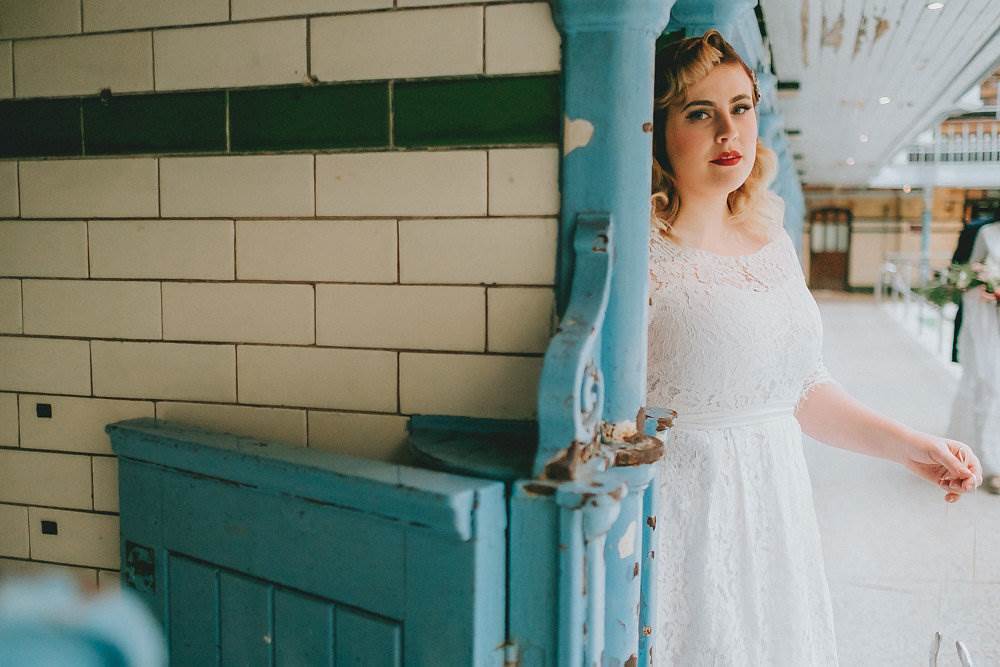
242	54
185	249
520	319
524	181
102	187
521	38
255	9
381	437
6	72
423	183
237	185
489	250
105	483
401	316
83	538
108	580
44	478
9	204
48	248
321	250
8	420
179	371
273	424
317	377
475	385
83	65
440	3
86	578
99	15
36	18
92	308
44	364
75	424
398	44
10	306
239	313
13	531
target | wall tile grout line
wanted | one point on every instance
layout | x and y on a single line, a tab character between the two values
152	55
13	79
262	19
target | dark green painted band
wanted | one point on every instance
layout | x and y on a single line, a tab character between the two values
472	111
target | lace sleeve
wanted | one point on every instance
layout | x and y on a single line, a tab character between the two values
819	375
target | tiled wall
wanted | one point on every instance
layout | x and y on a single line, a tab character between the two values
301	220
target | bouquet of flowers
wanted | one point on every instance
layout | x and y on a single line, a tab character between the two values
949	285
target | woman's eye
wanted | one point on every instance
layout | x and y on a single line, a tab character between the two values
742	108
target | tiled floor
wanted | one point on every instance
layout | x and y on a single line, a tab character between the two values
901	562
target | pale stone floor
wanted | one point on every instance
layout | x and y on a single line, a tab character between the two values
901	562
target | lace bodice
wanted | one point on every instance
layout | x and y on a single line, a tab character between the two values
730	333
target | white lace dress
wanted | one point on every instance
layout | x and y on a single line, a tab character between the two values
975	412
734	344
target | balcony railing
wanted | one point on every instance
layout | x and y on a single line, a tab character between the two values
975	141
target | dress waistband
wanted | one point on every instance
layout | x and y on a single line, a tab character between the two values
729	418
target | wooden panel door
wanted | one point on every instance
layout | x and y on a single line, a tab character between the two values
258	553
829	244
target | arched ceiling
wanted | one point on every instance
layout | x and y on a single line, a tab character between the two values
846	54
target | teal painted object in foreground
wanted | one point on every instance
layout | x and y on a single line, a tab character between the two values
253	552
47	621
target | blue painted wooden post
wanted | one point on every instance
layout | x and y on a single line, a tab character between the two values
608	50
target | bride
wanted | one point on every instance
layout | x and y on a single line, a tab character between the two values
735	347
975	413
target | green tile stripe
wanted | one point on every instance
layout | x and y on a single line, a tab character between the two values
479	111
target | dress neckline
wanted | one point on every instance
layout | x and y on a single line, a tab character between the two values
773	240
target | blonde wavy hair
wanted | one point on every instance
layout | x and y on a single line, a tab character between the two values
680	64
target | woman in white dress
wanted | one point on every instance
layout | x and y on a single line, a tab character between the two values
975	413
735	348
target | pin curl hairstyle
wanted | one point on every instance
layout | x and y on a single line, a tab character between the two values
680	64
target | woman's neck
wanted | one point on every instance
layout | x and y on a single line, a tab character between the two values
703	221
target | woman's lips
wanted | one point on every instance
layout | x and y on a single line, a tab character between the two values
728	162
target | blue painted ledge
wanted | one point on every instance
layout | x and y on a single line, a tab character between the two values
438	501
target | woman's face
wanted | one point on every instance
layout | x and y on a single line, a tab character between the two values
716	117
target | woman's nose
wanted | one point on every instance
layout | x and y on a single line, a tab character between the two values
727	129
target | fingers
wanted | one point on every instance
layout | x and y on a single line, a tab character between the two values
950	458
955	457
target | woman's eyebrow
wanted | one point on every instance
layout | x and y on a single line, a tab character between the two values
710	104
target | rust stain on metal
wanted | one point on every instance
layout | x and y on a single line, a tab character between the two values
651	522
540	489
647	631
635	570
563	465
647	126
642	449
632	661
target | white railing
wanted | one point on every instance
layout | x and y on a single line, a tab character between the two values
930	324
967	141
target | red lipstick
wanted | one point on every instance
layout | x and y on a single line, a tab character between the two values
728	159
